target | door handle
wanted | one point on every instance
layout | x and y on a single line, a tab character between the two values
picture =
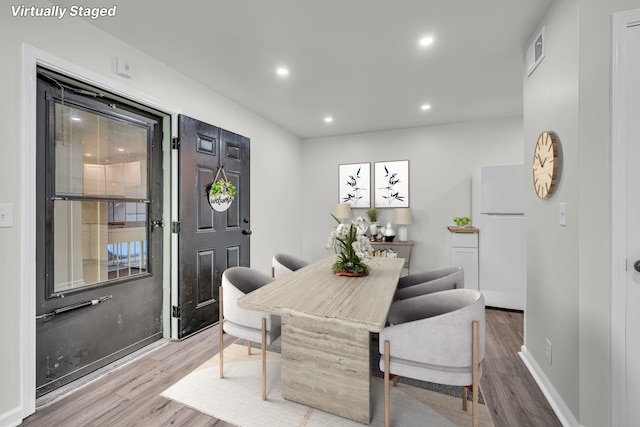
247	232
636	266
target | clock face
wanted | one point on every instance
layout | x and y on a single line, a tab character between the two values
545	164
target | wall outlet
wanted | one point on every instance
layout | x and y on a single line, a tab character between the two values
547	350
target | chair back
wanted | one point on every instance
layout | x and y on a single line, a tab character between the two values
237	282
284	264
439	328
439	279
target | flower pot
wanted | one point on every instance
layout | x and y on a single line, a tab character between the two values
351	273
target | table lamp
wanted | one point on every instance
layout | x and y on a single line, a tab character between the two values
402	217
342	211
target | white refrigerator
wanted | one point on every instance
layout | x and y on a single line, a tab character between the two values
497	210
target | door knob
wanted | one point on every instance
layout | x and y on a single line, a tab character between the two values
636	266
246	232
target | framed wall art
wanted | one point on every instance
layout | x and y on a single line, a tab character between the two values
391	184
354	184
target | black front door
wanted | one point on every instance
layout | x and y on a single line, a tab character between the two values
209	241
99	257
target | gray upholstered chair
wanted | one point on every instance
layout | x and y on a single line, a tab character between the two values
246	324
440	279
283	264
437	337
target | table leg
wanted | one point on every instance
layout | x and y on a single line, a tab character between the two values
325	365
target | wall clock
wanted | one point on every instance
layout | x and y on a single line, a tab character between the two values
545	164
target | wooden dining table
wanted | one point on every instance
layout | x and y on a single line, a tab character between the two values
327	325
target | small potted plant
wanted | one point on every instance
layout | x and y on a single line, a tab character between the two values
463	221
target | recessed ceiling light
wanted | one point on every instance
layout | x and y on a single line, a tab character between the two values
426	41
282	71
88	155
425	107
120	149
328	119
76	119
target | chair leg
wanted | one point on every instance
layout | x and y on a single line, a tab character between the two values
387	392
220	323
264	358
248	348
475	374
394	379
464	397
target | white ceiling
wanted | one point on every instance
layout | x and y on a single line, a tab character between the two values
356	60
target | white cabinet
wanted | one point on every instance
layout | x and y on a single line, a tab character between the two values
464	253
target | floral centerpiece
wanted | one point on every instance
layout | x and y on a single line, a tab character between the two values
353	247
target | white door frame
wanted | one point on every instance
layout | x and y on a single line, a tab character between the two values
31	59
620	23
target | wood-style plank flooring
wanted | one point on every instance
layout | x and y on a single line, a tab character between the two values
513	397
129	395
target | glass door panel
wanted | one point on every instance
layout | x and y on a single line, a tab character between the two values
99	156
96	241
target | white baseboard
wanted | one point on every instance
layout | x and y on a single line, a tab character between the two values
559	407
11	418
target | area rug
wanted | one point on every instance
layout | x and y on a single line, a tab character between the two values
236	398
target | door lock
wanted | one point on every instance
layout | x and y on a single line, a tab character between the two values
157	223
247	232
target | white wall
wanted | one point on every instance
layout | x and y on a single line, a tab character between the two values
568	294
551	103
275	157
441	161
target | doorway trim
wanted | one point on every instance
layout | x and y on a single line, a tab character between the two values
620	23
31	59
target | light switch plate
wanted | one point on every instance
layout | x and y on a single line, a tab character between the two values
6	215
562	209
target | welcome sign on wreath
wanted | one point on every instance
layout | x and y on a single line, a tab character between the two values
221	191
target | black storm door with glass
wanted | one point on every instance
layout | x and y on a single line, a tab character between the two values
99	235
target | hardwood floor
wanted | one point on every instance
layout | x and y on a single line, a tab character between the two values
129	395
513	397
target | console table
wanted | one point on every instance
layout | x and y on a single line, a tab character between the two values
327	321
408	244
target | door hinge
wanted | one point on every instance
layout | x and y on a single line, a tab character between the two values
175	143
175	311
175	227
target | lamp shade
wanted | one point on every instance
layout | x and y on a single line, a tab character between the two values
342	211
402	216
